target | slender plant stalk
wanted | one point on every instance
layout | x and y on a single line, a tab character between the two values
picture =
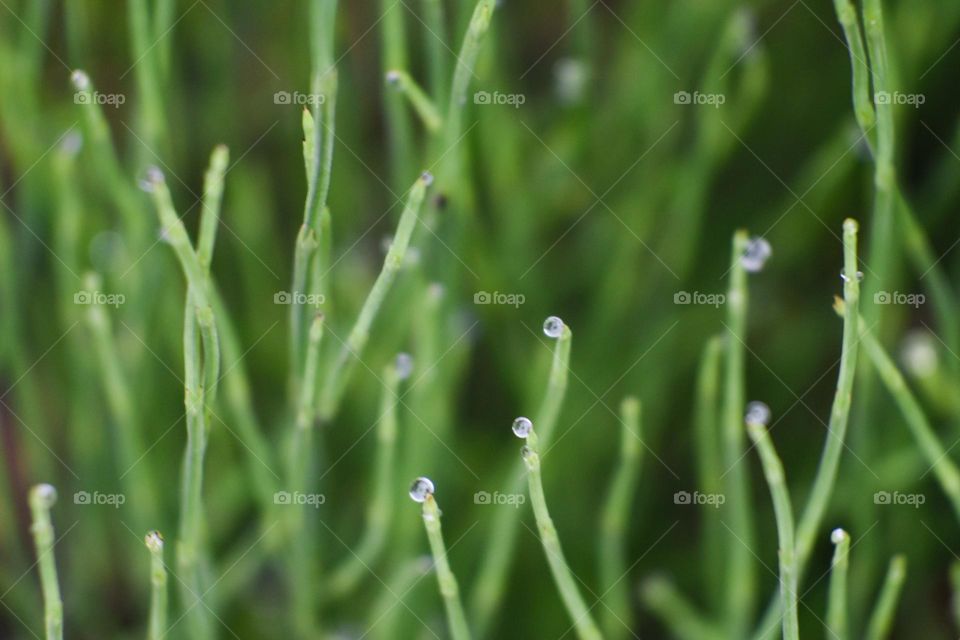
435	25
937	456
881	619
120	400
741	588
42	498
147	72
211	202
562	575
318	159
708	463
201	368
678	615
301	535
825	480
422	104
445	578
837	604
449	173
862	104
773	471
344	578
617	616
491	581
337	377
157	625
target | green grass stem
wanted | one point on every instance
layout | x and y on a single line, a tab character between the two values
491	581
783	509
42	498
564	578
617	615
336	379
447	582
881	620
837	602
157	624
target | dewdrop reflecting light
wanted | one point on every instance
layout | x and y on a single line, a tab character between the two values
756	254
522	427
420	489
404	365
553	327
846	278
837	535
757	413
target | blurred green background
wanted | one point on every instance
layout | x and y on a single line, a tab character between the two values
599	199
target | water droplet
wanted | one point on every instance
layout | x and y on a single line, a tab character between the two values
526	452
919	353
837	535
846	278
393	77
756	254
757	413
522	427
427	178
152	178
44	494
553	327
72	143
154	541
421	488
404	365
80	80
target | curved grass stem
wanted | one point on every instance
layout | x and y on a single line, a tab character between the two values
338	376
825	480
881	619
773	471
491	581
576	607
445	578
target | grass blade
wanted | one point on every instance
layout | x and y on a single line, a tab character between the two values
773	471
837	626
422	491
157	626
338	376
42	498
617	617
491	581
882	617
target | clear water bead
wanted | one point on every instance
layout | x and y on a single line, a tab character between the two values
80	80
553	327
846	278
757	413
427	178
919	353
45	494
404	365
522	427
420	489
756	254
154	541
393	77
837	535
